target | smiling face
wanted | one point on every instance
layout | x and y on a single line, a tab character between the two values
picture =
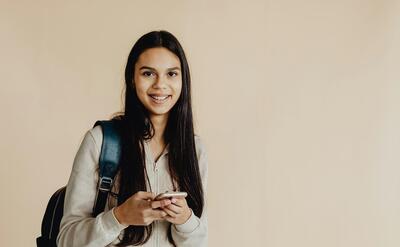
158	80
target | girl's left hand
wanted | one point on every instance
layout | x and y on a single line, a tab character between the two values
178	211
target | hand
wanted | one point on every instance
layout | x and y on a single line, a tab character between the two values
140	209
178	212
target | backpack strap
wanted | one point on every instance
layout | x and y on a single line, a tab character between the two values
108	162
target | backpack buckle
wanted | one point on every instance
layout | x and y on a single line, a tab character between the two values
105	184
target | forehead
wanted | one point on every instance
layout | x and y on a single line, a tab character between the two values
159	58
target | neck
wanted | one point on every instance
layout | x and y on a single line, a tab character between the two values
159	123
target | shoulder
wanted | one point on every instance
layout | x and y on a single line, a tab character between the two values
87	156
97	134
201	152
202	159
200	146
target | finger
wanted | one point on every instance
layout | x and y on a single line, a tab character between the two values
174	208
170	212
169	219
181	202
161	203
144	195
158	214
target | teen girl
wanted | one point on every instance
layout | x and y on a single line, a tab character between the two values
160	152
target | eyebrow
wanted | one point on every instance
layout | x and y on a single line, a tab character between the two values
150	68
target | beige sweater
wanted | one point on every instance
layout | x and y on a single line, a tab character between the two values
79	228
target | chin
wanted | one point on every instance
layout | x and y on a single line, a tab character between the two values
154	111
158	113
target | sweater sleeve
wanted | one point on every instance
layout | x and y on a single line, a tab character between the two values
194	232
78	227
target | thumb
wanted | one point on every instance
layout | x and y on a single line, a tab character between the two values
144	195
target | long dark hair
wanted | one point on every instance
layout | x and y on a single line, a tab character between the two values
179	134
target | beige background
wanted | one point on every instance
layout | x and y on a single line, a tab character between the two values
297	102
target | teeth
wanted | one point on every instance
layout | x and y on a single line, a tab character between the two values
159	97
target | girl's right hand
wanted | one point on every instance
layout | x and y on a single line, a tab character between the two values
140	209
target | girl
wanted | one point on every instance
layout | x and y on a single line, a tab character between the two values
159	152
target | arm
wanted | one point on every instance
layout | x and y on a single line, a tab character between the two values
78	227
194	232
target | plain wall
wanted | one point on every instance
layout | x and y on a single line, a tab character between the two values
296	101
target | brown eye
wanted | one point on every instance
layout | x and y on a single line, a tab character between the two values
147	73
173	74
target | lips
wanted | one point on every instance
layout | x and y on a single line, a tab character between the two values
159	99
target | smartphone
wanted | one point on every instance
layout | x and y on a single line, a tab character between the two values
169	194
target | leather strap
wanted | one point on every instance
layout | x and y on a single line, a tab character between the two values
108	162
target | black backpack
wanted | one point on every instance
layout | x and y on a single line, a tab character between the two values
108	162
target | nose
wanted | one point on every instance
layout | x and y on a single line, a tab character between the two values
159	83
